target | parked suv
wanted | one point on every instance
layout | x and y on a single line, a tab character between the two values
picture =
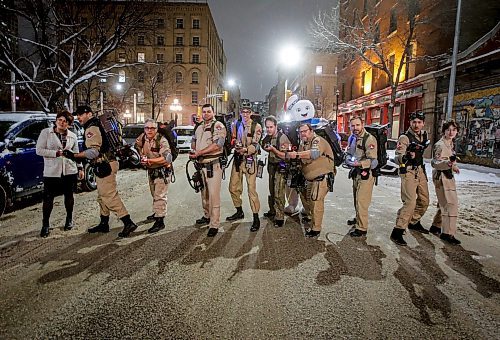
21	169
184	135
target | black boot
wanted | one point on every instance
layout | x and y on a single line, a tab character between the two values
128	226
435	230
449	239
279	223
102	227
45	231
238	215
352	222
212	232
256	223
151	217
397	236
312	233
203	220
157	226
69	223
271	213
418	227
357	233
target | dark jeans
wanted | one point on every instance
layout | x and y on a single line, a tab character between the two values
54	186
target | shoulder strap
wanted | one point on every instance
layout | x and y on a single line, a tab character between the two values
365	138
252	129
158	139
278	139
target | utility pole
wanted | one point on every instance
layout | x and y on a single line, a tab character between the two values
453	72
13	91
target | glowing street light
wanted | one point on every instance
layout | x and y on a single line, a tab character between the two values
231	83
290	56
175	105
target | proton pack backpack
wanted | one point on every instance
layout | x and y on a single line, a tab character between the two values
329	133
380	134
169	135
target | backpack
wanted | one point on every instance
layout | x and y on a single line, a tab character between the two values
226	150
329	133
380	134
169	135
290	130
111	132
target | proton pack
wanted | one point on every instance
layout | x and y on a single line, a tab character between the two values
111	131
380	134
168	133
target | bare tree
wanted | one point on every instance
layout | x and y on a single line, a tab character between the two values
64	43
357	35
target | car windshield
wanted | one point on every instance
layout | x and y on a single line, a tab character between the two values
132	132
184	132
5	126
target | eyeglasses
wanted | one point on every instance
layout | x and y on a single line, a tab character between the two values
246	111
149	128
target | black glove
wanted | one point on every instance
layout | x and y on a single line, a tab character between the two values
68	154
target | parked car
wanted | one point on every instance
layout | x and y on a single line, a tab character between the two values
130	132
391	168
21	169
184	135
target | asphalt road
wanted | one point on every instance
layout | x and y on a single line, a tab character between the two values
241	285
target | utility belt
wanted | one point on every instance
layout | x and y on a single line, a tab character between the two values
161	172
363	173
209	166
248	161
312	186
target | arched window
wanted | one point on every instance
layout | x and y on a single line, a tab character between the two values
178	77
159	77
194	78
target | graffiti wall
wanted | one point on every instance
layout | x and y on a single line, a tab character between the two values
478	114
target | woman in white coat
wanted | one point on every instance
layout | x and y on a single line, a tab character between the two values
59	172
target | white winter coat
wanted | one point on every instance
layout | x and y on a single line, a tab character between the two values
47	145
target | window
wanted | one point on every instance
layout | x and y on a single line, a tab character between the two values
319	69
160	40
194	97
179	41
160	58
196	41
140	96
140	76
366	81
194	78
33	131
140	40
159	77
141	57
178	77
178	58
195	59
179	23
317	89
160	23
196	23
178	94
121	76
376	33
363	77
393	24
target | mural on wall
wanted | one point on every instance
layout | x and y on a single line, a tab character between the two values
478	113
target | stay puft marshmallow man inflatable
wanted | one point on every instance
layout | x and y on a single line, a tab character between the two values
297	110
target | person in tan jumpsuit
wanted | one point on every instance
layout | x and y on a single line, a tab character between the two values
98	150
316	156
361	157
245	165
414	189
207	143
276	167
157	158
444	163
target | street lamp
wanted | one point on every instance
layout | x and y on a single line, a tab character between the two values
337	93
175	107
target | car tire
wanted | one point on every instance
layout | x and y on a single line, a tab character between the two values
89	179
3	199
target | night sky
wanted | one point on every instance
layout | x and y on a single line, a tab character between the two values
254	30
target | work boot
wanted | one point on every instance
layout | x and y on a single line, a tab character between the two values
449	239
397	236
352	222
435	230
151	217
256	223
279	223
203	220
157	226
45	231
357	233
69	223
238	215
102	227
212	232
418	227
306	219
312	233
128	226
269	214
